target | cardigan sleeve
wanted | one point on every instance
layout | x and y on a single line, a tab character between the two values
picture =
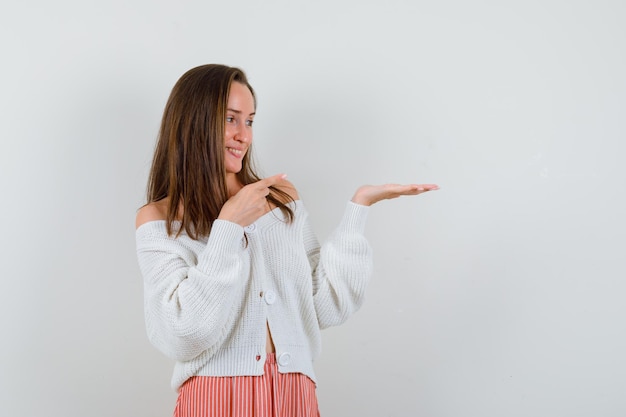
188	300
341	267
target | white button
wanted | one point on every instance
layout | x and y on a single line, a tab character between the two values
284	359
270	297
250	228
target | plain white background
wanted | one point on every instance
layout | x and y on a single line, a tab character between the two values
502	294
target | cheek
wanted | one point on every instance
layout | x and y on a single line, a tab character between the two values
228	132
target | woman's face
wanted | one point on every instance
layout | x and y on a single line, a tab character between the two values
239	116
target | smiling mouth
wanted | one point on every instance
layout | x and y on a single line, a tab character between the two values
236	152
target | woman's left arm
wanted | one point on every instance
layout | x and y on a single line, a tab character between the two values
343	265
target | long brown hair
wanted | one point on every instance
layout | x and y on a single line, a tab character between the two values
188	165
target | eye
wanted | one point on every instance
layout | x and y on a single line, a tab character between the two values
249	122
230	119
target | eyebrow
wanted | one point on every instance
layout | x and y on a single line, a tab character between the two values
239	111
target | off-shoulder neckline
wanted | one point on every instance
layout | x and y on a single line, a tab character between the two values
160	223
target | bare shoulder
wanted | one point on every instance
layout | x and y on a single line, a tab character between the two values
289	188
151	212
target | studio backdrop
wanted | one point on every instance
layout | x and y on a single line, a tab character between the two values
502	294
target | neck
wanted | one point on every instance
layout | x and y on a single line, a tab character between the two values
233	184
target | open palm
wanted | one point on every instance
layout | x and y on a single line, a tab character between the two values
369	194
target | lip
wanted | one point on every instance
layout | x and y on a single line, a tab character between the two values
236	152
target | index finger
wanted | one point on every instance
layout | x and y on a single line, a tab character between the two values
274	179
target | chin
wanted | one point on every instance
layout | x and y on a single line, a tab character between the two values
233	170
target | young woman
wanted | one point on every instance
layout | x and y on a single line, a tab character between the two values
237	287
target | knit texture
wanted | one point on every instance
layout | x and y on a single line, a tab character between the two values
207	301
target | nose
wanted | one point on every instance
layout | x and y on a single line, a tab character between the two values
243	134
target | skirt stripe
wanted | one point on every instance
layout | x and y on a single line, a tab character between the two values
271	395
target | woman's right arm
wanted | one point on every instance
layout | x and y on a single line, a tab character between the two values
189	302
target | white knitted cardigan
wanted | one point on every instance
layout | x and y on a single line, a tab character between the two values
207	301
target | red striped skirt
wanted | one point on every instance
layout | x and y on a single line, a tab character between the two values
271	395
